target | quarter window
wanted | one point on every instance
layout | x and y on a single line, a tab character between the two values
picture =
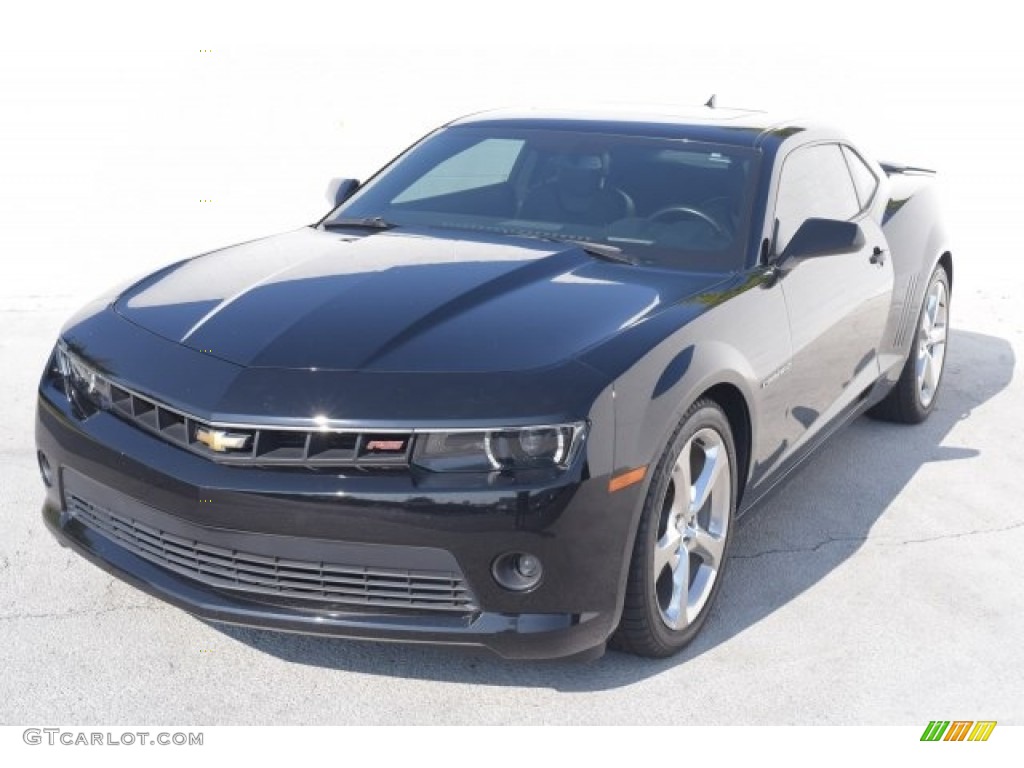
815	183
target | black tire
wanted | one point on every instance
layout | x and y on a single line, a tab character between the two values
906	403
644	629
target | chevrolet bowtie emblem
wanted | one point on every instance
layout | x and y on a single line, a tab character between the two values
219	440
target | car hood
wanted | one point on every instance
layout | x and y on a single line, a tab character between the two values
400	301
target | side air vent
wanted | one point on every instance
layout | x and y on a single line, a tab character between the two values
908	315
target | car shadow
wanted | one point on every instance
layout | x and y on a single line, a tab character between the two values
827	507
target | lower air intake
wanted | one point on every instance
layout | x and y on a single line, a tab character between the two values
325	583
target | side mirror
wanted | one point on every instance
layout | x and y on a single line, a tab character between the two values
823	237
340	190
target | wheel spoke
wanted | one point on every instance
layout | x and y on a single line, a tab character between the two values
931	376
708	547
927	316
940	301
933	308
707	479
681	477
675	611
666	553
681	500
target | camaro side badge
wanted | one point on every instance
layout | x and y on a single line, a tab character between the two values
777	374
219	440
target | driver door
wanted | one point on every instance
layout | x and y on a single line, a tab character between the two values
838	304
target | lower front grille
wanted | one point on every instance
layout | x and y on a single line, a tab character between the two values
228	569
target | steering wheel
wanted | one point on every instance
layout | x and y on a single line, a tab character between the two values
686	211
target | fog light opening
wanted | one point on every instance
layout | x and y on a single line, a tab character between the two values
44	469
518	571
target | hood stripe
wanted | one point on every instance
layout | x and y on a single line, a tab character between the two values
226	302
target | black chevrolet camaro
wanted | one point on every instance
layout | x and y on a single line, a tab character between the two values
512	392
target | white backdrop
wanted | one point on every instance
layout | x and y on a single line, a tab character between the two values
118	122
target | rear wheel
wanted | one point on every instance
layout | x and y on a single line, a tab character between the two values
683	539
913	397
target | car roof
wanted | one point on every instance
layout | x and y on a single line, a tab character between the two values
742	127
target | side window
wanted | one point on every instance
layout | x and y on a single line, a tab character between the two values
485	163
864	178
815	183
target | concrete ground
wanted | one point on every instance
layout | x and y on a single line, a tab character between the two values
881	585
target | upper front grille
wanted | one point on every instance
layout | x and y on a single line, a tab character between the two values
312	447
229	569
237	444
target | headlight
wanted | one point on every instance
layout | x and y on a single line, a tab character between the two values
82	383
542	447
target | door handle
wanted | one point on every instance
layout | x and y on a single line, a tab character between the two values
877	256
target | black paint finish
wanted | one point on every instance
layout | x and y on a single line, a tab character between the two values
428	328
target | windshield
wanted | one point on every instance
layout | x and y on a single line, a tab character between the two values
671	203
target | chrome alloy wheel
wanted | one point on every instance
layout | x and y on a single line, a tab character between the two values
931	342
692	528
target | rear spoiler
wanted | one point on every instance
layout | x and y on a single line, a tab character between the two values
891	169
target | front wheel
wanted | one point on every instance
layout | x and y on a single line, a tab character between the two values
683	538
913	398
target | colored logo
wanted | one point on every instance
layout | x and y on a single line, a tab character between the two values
958	730
219	440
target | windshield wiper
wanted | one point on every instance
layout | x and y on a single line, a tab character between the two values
597	250
369	222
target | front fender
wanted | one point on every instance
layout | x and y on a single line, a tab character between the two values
652	398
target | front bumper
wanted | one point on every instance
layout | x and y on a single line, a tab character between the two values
581	534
